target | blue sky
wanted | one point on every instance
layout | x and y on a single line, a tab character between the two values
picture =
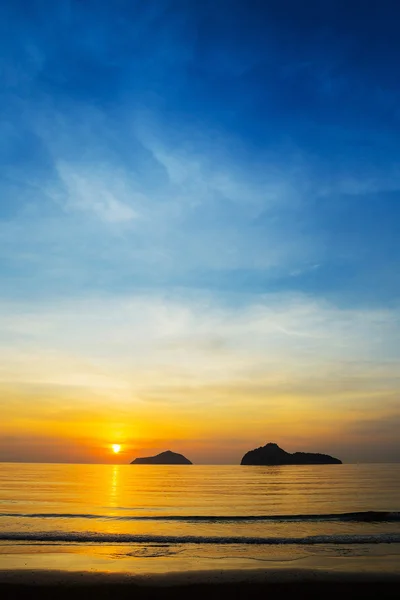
213	157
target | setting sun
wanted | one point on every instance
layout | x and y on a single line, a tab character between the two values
116	448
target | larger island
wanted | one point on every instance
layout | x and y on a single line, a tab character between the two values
272	454
164	458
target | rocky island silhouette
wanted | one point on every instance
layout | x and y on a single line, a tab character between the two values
272	454
164	458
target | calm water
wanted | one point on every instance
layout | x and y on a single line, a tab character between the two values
158	518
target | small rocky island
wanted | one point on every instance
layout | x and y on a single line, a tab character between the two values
165	458
272	454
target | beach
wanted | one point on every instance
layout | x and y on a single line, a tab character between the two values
207	584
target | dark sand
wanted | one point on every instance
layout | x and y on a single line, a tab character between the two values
203	585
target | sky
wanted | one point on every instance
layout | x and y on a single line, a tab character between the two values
199	228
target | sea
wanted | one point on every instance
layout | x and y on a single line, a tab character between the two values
158	519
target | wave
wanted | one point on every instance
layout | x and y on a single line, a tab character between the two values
366	516
123	538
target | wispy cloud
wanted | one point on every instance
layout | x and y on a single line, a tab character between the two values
288	359
103	195
200	339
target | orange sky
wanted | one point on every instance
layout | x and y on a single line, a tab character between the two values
153	375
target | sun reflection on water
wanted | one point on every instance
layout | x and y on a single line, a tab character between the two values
115	487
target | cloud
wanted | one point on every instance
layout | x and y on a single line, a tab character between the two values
99	193
177	366
174	212
204	339
126	199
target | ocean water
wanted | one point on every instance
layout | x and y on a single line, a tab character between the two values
172	518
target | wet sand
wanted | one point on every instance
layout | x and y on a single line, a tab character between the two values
208	585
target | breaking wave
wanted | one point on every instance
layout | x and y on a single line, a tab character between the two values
123	538
367	516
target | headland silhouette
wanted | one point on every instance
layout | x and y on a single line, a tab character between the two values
272	454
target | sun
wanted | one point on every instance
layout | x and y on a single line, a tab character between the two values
116	448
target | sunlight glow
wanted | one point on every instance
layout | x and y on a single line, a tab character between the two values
116	448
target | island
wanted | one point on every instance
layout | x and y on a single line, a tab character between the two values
165	458
272	454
